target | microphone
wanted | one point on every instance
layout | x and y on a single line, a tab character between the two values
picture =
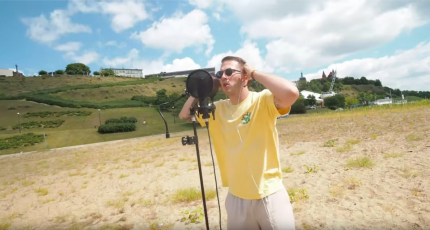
203	86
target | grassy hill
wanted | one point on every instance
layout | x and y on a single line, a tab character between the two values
117	93
12	86
81	130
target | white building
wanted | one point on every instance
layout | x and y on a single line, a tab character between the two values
384	101
6	72
306	93
138	73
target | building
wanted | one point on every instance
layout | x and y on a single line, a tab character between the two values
10	73
125	72
317	96
6	72
385	101
183	73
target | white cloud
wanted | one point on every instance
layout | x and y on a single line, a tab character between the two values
69	47
125	14
249	52
201	3
178	32
133	60
407	69
86	58
47	31
306	34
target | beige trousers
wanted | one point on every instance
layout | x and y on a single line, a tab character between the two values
252	215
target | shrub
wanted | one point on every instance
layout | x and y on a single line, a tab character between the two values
39	124
20	141
117	128
334	102
121	120
44	114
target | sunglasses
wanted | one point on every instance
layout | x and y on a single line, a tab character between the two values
228	72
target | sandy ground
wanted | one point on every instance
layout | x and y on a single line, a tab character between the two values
131	184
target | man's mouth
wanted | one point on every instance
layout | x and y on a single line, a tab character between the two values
225	84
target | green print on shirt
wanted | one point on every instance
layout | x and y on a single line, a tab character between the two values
246	118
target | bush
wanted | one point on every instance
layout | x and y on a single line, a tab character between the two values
299	106
117	128
44	114
121	120
20	141
39	124
334	102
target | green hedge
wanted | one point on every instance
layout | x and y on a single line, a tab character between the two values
20	141
44	114
117	128
121	120
39	124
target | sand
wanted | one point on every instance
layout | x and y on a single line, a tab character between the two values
131	184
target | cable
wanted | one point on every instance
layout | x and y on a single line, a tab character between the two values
213	164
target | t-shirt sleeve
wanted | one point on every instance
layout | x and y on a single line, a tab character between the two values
268	100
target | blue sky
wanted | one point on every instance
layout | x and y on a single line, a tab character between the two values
386	40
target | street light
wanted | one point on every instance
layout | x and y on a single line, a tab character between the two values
19	123
100	120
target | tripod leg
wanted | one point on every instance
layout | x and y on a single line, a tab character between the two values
200	172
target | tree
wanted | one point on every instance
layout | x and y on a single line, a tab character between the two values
43	72
378	82
363	81
334	102
107	72
350	101
365	97
310	100
77	69
299	106
96	73
59	72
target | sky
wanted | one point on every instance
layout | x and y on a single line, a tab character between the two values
387	40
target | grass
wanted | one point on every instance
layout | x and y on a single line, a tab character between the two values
298	153
80	130
288	169
393	155
360	162
41	191
298	194
192	194
119	93
14	86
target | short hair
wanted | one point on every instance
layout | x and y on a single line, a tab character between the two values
240	61
234	58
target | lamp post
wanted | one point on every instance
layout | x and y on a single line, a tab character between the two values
19	123
100	120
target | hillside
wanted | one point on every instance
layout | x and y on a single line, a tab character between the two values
12	86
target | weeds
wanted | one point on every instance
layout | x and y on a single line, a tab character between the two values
407	173
288	169
192	194
414	137
393	155
41	191
298	194
311	168
192	216
298	153
360	162
347	147
330	143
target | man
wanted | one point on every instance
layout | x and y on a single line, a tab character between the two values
247	148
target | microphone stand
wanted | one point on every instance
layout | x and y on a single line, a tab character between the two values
159	111
203	108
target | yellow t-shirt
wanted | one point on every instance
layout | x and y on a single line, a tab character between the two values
254	152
